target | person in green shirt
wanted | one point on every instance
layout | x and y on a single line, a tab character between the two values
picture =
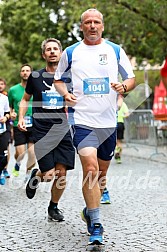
21	139
123	112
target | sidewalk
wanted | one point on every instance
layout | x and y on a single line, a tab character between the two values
158	154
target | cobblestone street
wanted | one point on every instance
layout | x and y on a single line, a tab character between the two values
135	221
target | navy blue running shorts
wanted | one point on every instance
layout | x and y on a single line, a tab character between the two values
50	150
103	139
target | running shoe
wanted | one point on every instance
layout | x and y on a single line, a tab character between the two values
85	217
118	160
105	198
6	173
118	149
96	236
32	184
15	173
55	214
15	170
117	155
2	180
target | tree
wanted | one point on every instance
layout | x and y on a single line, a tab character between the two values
9	69
139	26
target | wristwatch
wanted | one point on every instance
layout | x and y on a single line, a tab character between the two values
124	87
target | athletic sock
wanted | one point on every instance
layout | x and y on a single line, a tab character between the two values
53	205
17	166
94	215
105	189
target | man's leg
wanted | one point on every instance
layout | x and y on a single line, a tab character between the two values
119	145
4	155
118	151
90	187
19	155
59	173
3	162
5	171
103	168
31	160
91	193
56	192
31	157
59	183
120	136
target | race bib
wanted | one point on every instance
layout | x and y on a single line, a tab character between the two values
2	127
28	121
96	86
52	100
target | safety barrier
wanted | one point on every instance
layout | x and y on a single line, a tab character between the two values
142	128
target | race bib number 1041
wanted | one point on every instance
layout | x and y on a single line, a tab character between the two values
96	86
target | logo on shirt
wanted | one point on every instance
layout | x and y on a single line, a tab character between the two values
103	59
52	88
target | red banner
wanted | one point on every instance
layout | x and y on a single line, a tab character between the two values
160	100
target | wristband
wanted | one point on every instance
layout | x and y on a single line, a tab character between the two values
124	87
7	117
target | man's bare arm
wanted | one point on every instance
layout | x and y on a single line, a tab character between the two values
61	88
22	111
125	86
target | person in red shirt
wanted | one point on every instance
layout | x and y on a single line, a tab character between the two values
164	73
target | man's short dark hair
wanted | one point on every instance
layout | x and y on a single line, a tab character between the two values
26	64
43	45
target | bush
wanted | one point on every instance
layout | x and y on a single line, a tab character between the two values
153	80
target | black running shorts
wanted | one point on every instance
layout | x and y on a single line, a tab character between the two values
22	137
51	149
120	130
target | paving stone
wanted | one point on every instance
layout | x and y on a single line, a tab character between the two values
135	221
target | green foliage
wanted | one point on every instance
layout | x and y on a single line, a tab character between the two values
140	27
153	77
9	69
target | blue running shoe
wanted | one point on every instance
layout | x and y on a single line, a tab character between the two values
105	198
2	180
6	173
96	236
87	220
